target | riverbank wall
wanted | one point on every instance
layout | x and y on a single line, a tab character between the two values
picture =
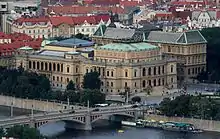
207	125
38	105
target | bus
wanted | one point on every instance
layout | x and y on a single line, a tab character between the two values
101	105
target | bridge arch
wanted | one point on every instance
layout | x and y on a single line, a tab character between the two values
97	117
78	120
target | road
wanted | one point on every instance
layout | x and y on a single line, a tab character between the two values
157	98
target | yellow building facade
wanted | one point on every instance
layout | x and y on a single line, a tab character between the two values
188	48
120	65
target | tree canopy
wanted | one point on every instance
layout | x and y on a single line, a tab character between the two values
136	99
21	132
212	36
191	106
23	84
91	80
70	86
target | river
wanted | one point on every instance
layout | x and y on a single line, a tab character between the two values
110	132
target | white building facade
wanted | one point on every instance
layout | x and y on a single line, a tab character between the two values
204	19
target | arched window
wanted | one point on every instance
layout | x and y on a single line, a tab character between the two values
54	67
159	82
159	70
155	82
67	69
112	73
126	73
50	66
42	66
143	72
77	68
46	66
61	67
169	49
144	83
38	65
58	67
155	70
149	82
29	64
149	71
171	69
135	73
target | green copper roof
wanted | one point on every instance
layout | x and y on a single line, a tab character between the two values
100	31
128	47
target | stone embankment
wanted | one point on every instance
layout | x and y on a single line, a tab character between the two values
207	125
38	105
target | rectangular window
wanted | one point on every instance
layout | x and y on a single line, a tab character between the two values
126	74
111	84
126	84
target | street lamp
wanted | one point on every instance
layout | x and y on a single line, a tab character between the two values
12	108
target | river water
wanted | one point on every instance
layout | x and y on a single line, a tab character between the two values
110	132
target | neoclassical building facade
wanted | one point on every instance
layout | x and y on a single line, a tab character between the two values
120	65
188	48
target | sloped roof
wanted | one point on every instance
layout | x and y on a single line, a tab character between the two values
119	33
73	42
212	14
100	31
188	37
128	47
76	9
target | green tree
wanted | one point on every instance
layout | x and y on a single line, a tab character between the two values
165	106
91	80
212	36
70	86
94	96
2	133
136	99
79	36
23	132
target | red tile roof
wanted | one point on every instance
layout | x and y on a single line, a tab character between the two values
105	2
31	20
187	3
76	9
218	14
163	15
55	21
18	40
129	3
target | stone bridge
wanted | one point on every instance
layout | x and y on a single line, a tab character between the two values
38	105
80	119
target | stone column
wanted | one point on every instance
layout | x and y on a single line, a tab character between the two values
88	125
136	115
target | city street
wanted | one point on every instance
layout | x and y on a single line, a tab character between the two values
157	97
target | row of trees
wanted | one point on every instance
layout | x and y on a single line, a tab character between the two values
191	106
23	84
212	36
21	132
